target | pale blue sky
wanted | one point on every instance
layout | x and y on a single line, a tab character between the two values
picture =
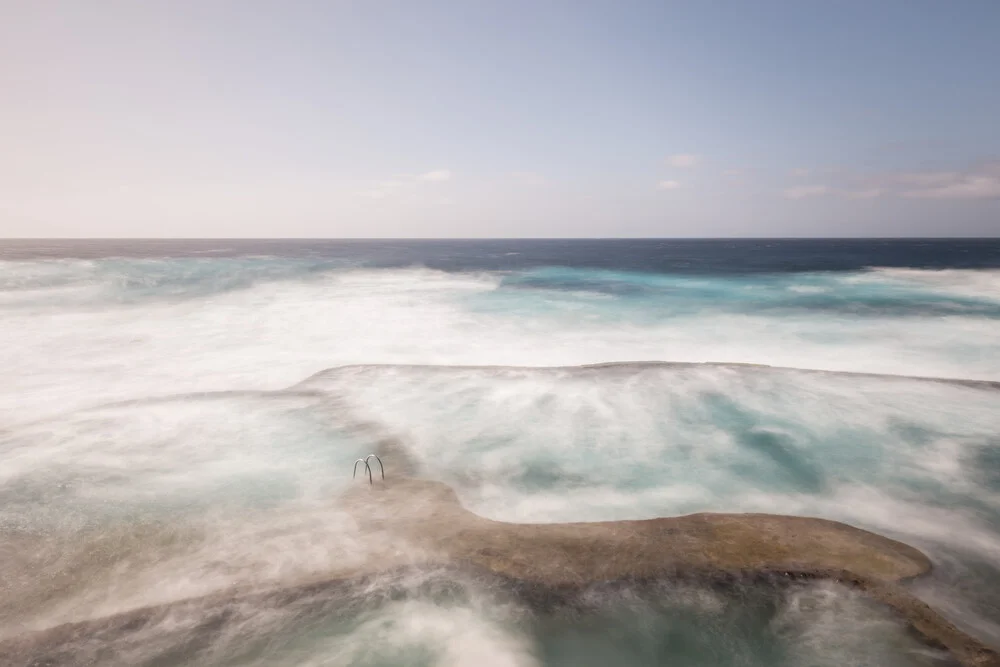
513	118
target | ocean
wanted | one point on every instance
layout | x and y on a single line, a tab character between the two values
176	416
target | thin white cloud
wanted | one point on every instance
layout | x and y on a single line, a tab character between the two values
869	193
984	185
668	185
436	176
683	160
805	191
800	172
732	172
925	179
979	182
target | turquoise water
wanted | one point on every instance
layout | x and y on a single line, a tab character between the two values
173	426
809	625
447	619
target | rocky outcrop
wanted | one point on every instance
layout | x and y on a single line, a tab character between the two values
414	524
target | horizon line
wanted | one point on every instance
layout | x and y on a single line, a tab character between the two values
500	238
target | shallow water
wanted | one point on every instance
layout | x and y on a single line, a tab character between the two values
176	422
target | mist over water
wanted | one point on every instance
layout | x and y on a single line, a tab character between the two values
179	422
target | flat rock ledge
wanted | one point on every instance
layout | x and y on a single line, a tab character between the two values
411	524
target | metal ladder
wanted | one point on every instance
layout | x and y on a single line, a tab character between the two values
369	468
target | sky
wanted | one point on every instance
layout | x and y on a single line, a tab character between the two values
506	118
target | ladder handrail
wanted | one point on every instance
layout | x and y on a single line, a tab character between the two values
380	466
368	468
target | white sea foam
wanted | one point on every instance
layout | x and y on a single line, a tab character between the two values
94	346
981	283
243	479
421	632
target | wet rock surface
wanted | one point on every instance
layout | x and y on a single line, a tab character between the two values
416	525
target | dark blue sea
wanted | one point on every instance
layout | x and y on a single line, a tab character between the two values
697	256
